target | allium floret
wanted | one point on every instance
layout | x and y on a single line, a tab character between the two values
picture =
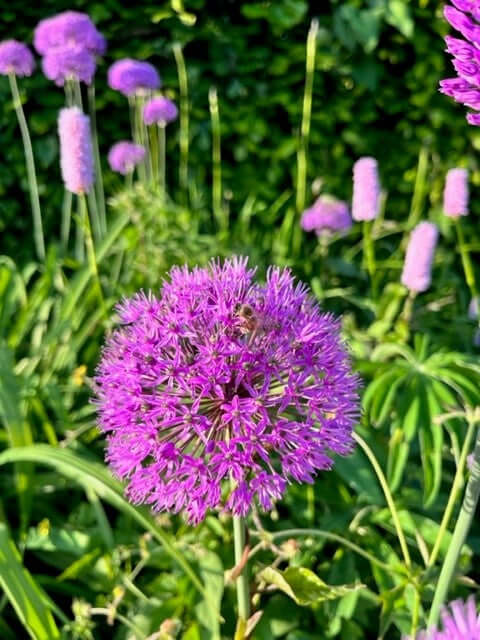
67	62
69	28
133	76
124	156
327	215
159	111
16	58
221	391
460	621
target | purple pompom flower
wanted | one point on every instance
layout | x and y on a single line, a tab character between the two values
132	76
16	58
455	194
466	56
159	111
70	28
366	190
417	269
64	63
124	156
460	621
76	155
222	391
326	216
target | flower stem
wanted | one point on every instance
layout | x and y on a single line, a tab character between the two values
455	490
459	536
184	118
218	211
369	252
466	261
92	259
419	190
162	154
31	173
98	165
66	219
388	496
243	589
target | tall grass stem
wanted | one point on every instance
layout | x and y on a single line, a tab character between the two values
99	190
219	211
184	120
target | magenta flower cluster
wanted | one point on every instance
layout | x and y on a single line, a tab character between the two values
16	58
159	110
456	193
69	43
76	154
417	269
464	16
326	216
124	156
366	190
133	76
222	391
460	621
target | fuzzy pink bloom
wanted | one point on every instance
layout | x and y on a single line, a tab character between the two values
455	195
417	269
76	155
366	189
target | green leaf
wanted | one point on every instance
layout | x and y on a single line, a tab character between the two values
304	586
399	16
211	570
23	593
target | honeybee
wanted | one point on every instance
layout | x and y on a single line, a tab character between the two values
249	320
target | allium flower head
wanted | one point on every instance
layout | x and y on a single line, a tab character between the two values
459	622
15	57
327	215
366	189
124	156
221	390
455	195
131	76
70	28
62	63
76	155
160	111
465	18
417	269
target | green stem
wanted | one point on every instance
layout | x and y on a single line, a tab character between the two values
369	251
466	261
302	160
77	93
136	134
66	219
155	154
31	173
98	165
92	259
162	155
419	190
454	492
218	210
388	496
462	527
243	589
79	235
184	119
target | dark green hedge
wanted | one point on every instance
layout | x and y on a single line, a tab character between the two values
375	92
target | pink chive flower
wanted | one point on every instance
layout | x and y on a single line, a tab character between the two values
76	155
159	111
366	190
464	16
67	62
16	58
219	380
326	216
417	269
124	156
460	621
132	76
70	28
455	194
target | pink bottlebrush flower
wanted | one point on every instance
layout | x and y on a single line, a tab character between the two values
15	57
67	62
159	111
460	621
326	216
222	379
366	190
76	155
70	28
455	194
417	269
124	156
132	76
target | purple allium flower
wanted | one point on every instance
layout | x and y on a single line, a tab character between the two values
160	111
366	190
15	57
62	63
124	156
455	194
76	155
222	380
130	76
327	215
70	28
417	269
473	308
466	56
460	621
